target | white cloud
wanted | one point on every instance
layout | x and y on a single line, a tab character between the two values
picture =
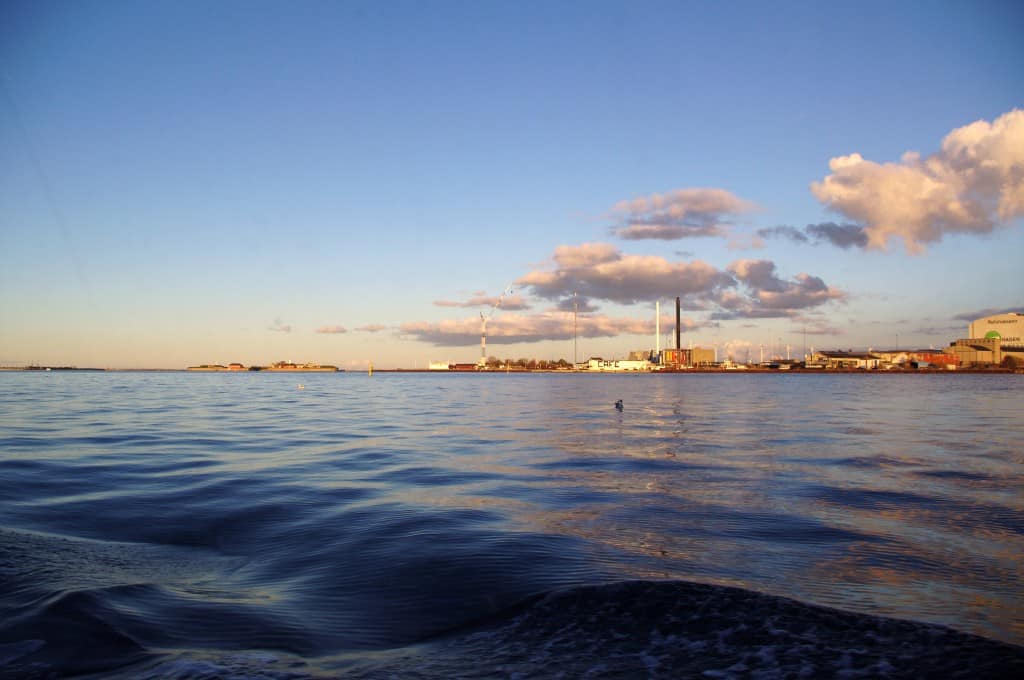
973	184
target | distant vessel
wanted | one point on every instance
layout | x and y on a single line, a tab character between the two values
288	366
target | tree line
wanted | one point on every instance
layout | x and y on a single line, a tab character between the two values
529	364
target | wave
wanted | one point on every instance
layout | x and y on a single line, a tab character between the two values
657	629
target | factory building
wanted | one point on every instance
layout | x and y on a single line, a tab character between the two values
977	351
992	341
687	357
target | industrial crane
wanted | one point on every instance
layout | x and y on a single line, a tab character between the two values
483	327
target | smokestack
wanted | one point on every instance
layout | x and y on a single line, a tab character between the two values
678	344
657	326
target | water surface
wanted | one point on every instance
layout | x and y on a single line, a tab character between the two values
180	524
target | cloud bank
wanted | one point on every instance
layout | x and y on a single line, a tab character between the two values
972	185
679	214
331	330
768	297
600	271
745	289
516	328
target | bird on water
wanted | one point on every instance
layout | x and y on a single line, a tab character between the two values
618	405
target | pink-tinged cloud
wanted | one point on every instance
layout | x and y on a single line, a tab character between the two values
331	330
372	328
679	214
746	289
974	184
600	271
508	302
665	232
516	328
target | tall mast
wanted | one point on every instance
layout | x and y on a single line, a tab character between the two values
483	327
574	311
483	339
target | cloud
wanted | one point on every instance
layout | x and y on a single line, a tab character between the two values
792	233
665	232
331	330
972	185
279	327
508	302
821	329
516	328
679	214
372	328
766	295
841	235
938	330
581	305
746	289
988	311
600	271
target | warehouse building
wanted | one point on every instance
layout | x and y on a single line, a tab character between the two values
1009	328
992	341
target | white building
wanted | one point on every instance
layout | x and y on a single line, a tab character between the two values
618	365
1008	328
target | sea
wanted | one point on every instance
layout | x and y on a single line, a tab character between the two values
417	525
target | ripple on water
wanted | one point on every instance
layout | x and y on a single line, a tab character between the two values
379	514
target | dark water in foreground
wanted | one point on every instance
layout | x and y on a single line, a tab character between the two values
233	525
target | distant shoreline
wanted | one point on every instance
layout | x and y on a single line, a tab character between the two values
722	371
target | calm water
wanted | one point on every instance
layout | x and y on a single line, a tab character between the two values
209	525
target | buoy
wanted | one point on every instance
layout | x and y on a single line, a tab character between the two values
301	386
370	370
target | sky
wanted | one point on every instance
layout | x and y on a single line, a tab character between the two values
353	182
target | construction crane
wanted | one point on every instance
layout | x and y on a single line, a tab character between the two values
483	327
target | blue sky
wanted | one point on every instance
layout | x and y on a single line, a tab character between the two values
194	182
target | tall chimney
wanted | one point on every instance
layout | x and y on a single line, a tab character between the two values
678	345
657	326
